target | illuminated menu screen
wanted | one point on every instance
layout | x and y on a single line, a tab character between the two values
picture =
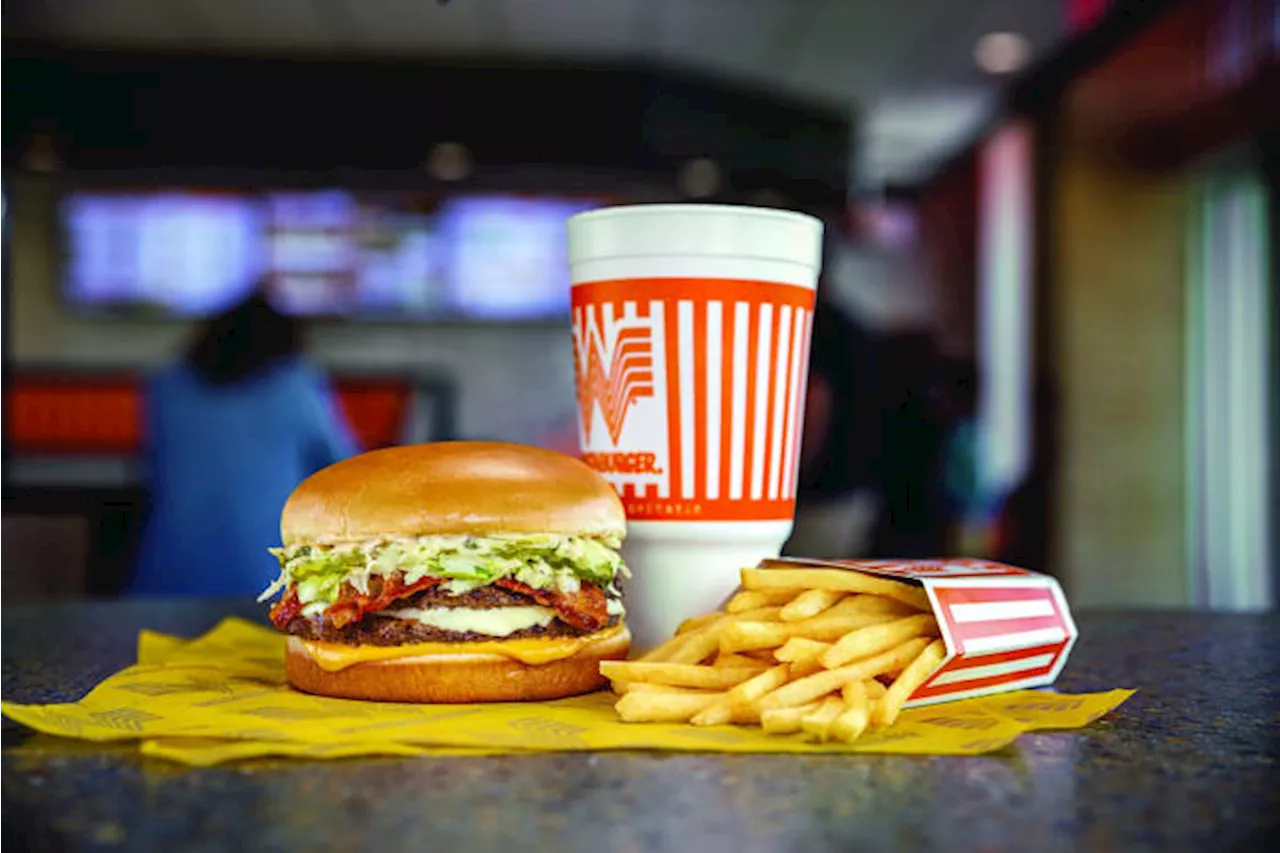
319	253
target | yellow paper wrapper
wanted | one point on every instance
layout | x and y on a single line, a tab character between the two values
223	697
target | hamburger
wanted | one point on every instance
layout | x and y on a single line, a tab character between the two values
451	572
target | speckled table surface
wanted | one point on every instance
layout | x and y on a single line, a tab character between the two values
1191	762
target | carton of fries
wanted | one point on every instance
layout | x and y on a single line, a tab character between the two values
833	648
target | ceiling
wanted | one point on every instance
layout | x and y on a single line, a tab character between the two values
906	65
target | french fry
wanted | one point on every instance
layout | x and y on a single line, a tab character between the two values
677	674
699	645
742	696
674	651
808	604
818	723
827	652
664	651
759	614
723	713
749	691
694	623
719	714
748	636
786	720
799	649
856	714
913	675
622	688
811	687
734	659
800	669
757	599
761	656
850	614
874	639
778	579
653	707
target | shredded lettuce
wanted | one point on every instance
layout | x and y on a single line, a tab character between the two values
466	562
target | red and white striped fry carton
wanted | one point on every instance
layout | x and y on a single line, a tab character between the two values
1005	628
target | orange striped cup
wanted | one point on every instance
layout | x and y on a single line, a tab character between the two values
691	328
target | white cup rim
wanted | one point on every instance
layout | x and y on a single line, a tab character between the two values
665	209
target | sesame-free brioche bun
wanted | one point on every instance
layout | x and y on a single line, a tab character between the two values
451	487
460	677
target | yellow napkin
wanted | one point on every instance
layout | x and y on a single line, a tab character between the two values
223	697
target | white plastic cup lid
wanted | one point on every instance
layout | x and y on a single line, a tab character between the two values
695	230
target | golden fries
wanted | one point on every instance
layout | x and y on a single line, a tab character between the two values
855	712
818	723
777	580
751	690
853	612
624	687
808	604
821	683
799	649
913	675
697	622
786	720
677	674
737	660
665	650
874	639
796	650
646	707
755	600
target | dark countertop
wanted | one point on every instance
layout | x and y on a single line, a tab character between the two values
1191	762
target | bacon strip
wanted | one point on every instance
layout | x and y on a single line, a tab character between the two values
352	605
586	610
286	609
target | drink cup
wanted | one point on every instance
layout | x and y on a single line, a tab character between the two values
691	328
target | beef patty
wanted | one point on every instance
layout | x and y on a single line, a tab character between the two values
376	630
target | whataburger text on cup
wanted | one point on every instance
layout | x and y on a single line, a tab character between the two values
691	328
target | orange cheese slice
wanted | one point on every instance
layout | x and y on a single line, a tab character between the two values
534	651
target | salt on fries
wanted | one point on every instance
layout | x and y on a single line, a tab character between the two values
828	653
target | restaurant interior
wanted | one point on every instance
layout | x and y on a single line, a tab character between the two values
1049	283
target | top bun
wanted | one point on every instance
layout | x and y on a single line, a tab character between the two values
451	487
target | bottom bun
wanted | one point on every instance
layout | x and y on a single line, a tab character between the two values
447	678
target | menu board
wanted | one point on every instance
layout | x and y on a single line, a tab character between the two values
182	253
507	257
323	252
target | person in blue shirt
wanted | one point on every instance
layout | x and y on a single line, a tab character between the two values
232	429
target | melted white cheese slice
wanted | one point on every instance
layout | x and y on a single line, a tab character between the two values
495	622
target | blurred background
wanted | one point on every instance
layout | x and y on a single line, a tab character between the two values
1047	329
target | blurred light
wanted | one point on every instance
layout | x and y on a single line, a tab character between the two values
1004	308
700	178
1229	374
907	134
448	161
1002	53
884	224
1083	14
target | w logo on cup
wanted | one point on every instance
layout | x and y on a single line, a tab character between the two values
614	363
691	393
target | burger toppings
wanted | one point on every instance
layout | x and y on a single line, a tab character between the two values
435	581
498	622
351	604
